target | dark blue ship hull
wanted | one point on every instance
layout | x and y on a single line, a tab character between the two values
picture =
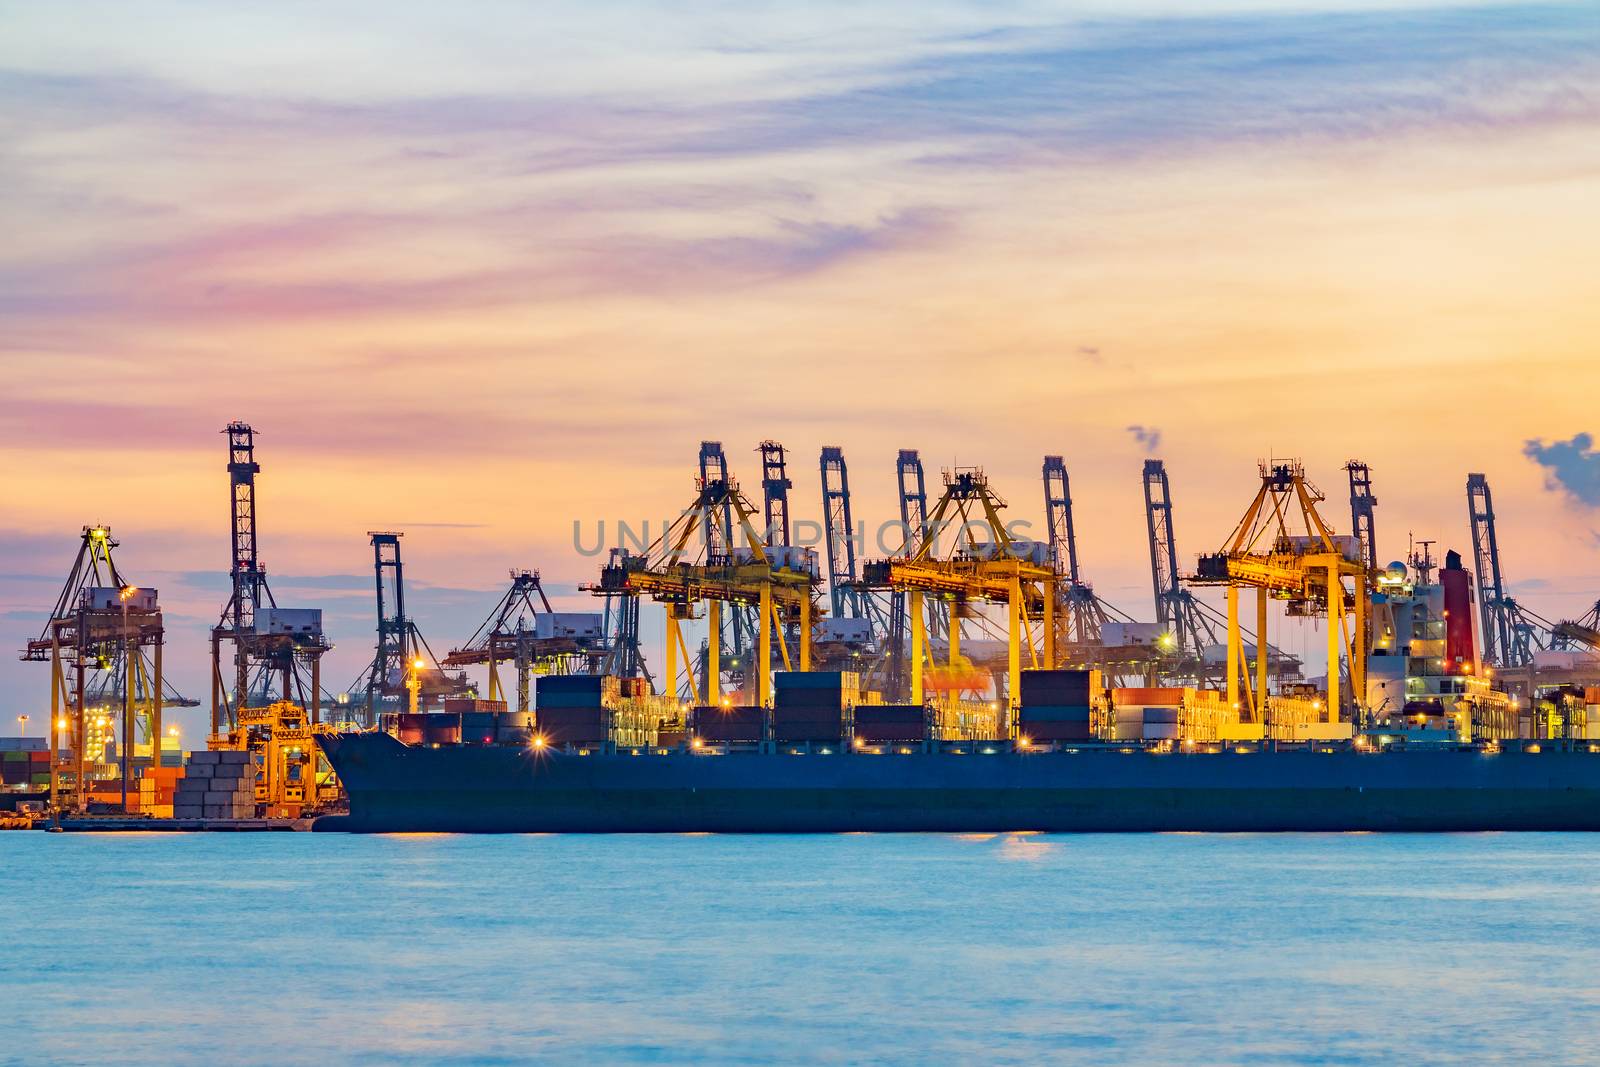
487	789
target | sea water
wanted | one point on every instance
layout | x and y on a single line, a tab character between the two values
857	948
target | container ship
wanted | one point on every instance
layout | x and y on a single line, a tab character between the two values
816	762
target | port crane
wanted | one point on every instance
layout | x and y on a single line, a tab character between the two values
402	663
270	644
1283	549
1186	628
1511	633
778	584
1362	503
103	641
775	486
511	635
999	569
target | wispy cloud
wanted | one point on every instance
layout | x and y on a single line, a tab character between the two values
1571	467
1148	437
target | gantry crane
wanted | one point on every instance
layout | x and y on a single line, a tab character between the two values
913	495
1362	503
717	534
777	583
270	644
103	641
1284	549
511	634
775	486
403	666
1081	613
1186	628
1511	633
624	655
838	534
1000	569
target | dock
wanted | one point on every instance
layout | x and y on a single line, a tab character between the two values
119	824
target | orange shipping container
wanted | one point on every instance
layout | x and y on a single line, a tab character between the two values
1157	697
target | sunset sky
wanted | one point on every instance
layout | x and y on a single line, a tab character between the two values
478	271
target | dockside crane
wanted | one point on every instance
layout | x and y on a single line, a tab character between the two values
1362	503
1081	613
719	535
103	641
271	645
402	663
838	534
624	656
1285	551
999	569
779	584
1511	633
775	486
514	634
1186	628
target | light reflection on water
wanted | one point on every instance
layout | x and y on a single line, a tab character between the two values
296	948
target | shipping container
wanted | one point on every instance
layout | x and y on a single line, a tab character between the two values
1029	713
891	713
467	704
808	732
849	681
725	732
1170	696
891	731
1058	731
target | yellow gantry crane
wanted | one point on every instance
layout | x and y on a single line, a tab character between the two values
994	568
1284	549
682	572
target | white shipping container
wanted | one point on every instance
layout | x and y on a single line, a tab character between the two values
109	598
1116	634
575	625
297	621
845	631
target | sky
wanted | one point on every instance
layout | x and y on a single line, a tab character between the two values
482	272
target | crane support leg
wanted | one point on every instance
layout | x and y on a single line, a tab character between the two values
1335	639
316	690
216	684
670	686
1013	655
919	637
1358	650
764	650
714	649
1261	656
56	684
955	635
155	708
805	634
1050	626
1234	643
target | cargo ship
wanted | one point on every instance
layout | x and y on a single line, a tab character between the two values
814	764
1433	746
964	787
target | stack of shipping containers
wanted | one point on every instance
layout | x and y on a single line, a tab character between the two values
814	707
590	710
576	709
1057	706
1149	714
879	724
24	766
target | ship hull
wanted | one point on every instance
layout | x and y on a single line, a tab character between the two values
466	789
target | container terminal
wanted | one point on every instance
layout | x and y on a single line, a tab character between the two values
970	680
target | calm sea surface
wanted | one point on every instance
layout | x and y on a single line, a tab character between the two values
303	948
